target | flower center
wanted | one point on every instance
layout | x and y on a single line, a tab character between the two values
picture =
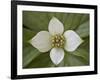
58	41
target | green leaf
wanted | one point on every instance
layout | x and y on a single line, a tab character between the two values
73	60
86	44
42	61
27	34
29	54
81	53
83	29
72	21
84	18
35	21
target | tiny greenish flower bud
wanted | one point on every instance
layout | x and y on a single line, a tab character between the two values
61	41
53	40
58	45
61	44
57	40
56	37
53	45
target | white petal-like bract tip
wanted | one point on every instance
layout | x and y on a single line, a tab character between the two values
73	40
41	41
56	55
55	26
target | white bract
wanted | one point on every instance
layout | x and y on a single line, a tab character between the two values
56	40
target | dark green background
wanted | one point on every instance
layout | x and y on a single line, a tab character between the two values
33	22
